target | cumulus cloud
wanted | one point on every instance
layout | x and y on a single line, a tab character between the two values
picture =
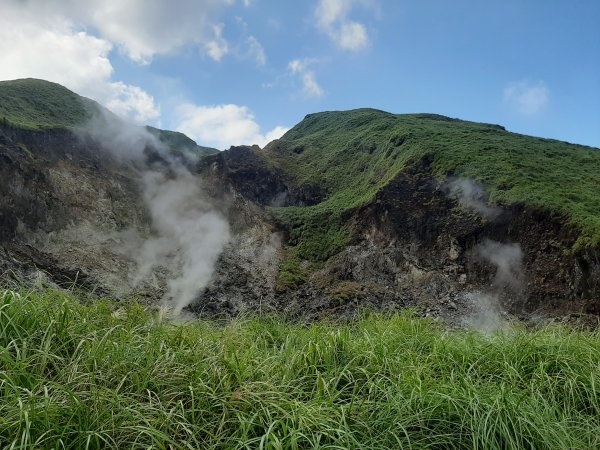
332	19
132	102
217	47
50	47
526	97
224	125
301	69
141	28
311	88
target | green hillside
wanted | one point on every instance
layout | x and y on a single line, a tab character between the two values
179	141
353	154
38	104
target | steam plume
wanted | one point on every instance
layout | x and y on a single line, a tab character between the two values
508	260
487	306
187	233
123	140
470	195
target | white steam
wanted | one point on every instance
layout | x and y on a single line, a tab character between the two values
188	233
470	195
486	307
508	261
123	140
486	314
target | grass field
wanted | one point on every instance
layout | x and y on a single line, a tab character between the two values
76	374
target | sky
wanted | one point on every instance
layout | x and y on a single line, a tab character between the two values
230	72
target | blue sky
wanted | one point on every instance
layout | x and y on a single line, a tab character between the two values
232	72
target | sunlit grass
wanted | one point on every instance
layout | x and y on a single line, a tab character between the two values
353	155
38	104
78	375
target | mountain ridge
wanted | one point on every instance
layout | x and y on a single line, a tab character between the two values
36	104
362	150
347	209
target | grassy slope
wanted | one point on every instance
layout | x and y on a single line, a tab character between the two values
76	376
38	104
176	140
355	153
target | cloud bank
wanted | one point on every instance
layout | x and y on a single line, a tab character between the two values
69	42
50	47
140	28
224	125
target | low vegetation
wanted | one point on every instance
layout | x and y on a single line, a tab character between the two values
96	375
34	104
180	142
352	155
38	104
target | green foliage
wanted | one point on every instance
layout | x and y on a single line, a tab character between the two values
105	375
316	232
344	291
294	271
180	142
352	155
291	274
38	104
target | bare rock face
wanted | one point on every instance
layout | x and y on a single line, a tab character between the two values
78	214
62	205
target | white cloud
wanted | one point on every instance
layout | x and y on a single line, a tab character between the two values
133	102
526	97
217	47
49	47
353	36
297	66
249	46
224	125
310	86
332	19
256	51
141	28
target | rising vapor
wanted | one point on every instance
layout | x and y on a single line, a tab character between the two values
187	234
486	306
470	195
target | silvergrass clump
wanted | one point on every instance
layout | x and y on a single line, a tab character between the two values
103	375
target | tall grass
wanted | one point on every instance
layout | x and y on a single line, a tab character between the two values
100	375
